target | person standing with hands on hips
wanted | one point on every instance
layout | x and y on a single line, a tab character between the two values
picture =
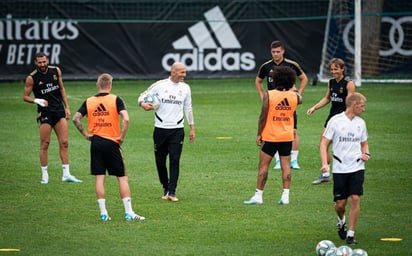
104	111
275	130
278	59
168	135
338	89
53	110
349	137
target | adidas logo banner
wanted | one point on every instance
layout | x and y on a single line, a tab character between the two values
142	39
210	46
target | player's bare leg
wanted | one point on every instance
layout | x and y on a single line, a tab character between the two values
263	167
340	206
45	131
354	212
295	151
264	162
62	133
286	179
101	197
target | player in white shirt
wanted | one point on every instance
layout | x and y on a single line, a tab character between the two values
168	135
348	134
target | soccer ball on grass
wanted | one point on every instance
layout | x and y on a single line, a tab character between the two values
334	252
359	252
346	250
323	246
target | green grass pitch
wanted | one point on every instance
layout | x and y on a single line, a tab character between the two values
218	172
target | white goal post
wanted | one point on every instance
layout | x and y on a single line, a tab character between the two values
357	74
378	54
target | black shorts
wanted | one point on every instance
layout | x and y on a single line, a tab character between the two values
105	155
270	148
52	118
347	184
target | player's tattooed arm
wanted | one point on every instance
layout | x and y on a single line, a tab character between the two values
77	122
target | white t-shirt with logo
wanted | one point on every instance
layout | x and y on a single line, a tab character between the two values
346	136
175	99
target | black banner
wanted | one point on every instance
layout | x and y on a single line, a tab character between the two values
140	39
210	47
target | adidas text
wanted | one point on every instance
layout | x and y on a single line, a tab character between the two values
212	60
278	107
201	48
101	113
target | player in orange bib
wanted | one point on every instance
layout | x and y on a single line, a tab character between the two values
107	122
275	130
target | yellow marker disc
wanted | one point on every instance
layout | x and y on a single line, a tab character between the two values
224	138
391	239
9	250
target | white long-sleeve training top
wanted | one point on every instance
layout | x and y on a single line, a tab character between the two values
175	99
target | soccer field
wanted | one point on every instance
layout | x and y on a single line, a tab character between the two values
218	172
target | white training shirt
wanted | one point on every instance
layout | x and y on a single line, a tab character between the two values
175	99
346	136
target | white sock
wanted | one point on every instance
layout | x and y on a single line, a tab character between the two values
342	221
44	173
294	155
127	202
350	233
66	170
285	195
43	169
102	206
277	156
258	193
325	174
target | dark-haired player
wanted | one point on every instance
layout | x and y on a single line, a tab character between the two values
46	83
278	59
275	130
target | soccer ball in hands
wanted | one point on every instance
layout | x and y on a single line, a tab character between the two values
323	246
152	99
